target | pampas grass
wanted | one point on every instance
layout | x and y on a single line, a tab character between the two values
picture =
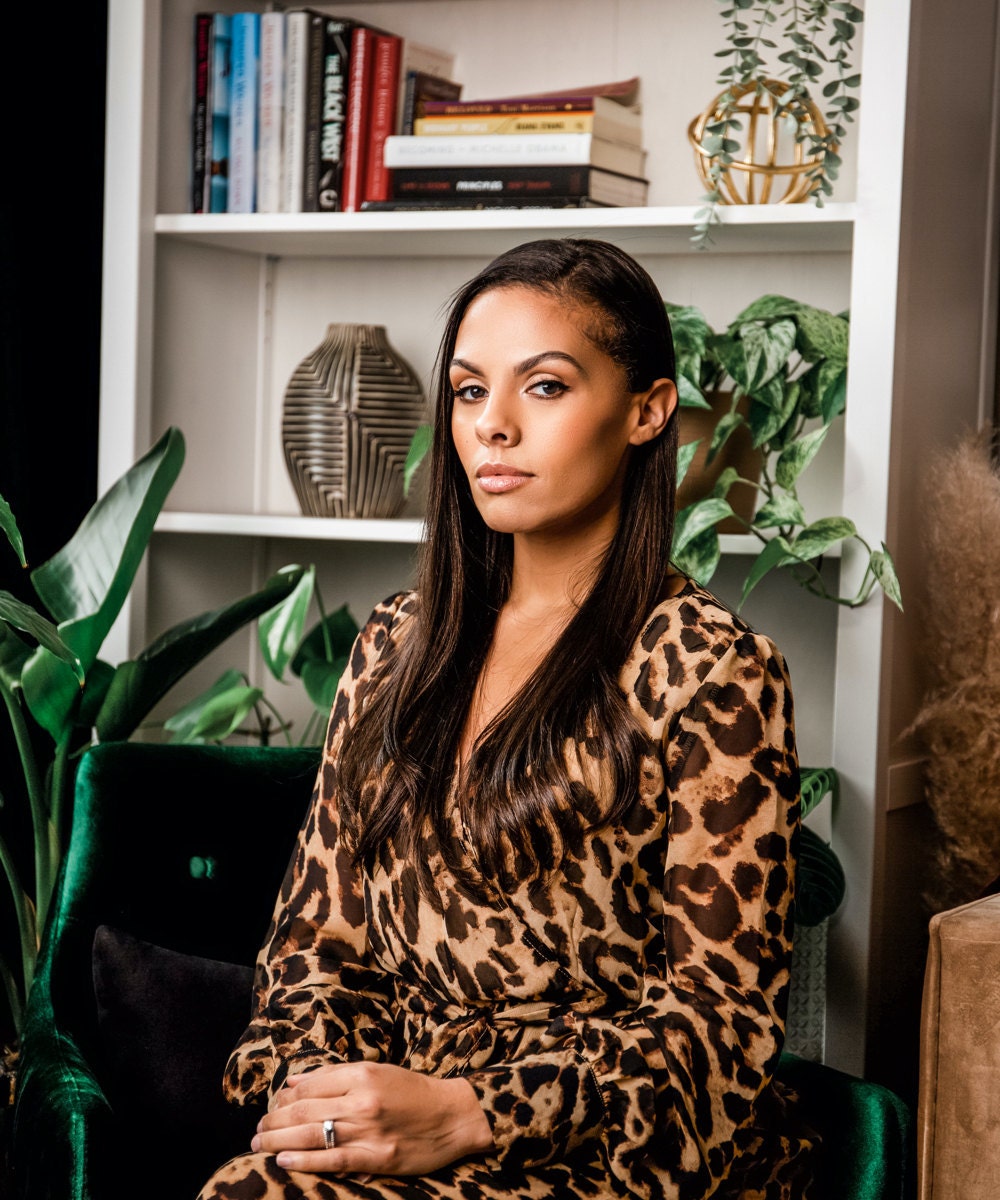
959	720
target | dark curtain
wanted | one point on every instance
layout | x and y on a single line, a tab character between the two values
50	298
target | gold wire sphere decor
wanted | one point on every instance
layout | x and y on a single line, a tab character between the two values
776	154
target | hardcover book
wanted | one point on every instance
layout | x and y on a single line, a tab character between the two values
382	117
245	51
436	204
518	183
419	86
598	115
199	108
514	150
294	133
271	111
359	99
315	86
218	163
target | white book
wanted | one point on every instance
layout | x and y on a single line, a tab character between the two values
293	158
270	111
514	150
245	65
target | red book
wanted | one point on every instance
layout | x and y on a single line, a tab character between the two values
382	119
361	68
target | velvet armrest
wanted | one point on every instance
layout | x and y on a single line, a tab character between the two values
866	1132
63	1134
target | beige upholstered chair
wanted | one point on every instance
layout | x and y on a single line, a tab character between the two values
958	1116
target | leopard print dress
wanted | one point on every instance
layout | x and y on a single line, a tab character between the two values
621	1023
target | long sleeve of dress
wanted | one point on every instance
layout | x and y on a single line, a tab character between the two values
671	1085
319	996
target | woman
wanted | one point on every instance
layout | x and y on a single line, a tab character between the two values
534	939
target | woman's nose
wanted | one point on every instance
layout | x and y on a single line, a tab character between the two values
497	420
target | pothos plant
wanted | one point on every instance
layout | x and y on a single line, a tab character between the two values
59	694
787	362
816	38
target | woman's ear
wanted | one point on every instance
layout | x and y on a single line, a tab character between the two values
655	407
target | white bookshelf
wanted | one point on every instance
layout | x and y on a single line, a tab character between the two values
204	318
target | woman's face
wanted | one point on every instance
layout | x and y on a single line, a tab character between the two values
543	419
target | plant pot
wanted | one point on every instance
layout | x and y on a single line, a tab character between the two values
738	452
350	410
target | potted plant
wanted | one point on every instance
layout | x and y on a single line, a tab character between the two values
316	656
776	79
59	695
784	365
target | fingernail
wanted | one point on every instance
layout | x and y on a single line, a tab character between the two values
285	1159
255	1143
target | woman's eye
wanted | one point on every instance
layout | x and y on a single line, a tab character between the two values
470	393
549	388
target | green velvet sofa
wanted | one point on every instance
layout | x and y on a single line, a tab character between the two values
175	859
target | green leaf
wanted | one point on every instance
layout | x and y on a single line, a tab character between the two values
765	420
696	518
725	481
9	526
700	557
341	630
770	557
13	655
767	308
833	391
726	425
766	349
281	629
24	617
85	584
685	457
321	678
690	395
780	510
794	459
216	713
139	684
95	690
884	570
420	443
821	335
818	537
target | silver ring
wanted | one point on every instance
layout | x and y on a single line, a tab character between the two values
329	1135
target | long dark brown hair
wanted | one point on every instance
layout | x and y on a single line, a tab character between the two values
397	763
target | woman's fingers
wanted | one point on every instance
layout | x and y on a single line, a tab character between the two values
341	1162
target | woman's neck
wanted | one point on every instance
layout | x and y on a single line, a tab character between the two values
550	574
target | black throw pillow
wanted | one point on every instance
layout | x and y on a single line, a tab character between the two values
167	1023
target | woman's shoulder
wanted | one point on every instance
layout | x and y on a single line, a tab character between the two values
690	635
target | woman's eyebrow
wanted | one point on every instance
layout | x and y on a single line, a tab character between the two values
529	364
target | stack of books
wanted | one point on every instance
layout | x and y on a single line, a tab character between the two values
556	150
290	109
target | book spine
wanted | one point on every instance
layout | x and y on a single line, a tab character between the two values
480	108
270	111
500	123
441	204
199	108
359	98
314	111
488	150
243	121
294	134
418	86
333	117
382	122
494	181
219	175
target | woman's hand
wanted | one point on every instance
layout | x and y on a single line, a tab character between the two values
387	1121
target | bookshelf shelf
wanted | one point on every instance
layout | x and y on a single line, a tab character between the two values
400	531
751	229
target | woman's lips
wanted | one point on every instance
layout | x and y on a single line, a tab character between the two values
498	477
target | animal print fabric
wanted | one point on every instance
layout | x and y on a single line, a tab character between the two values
621	1021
